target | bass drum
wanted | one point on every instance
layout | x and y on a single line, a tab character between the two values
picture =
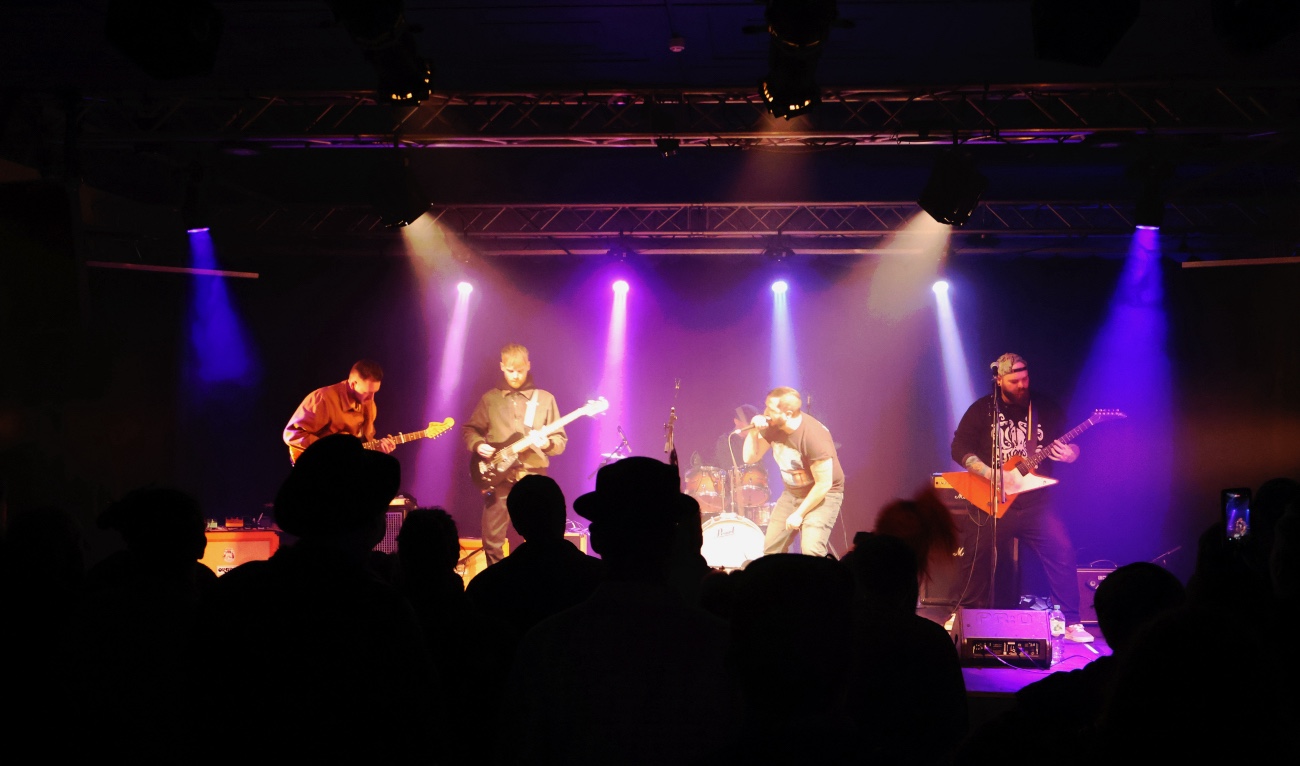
731	542
704	483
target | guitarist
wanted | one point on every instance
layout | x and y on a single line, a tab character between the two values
515	408
347	407
1032	518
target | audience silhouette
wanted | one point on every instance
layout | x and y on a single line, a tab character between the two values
632	675
345	668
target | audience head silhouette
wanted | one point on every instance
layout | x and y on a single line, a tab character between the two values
337	487
160	522
536	507
1132	596
635	511
429	535
884	568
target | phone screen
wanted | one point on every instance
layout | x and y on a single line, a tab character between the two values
1236	512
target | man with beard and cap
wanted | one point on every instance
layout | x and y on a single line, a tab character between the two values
515	408
1024	426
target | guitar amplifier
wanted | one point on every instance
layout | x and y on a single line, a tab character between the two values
397	510
1020	637
952	500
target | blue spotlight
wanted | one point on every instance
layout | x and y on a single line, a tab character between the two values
1145	227
779	287
620	287
940	287
464	288
199	230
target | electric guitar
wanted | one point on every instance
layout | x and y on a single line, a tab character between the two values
976	488
432	432
491	472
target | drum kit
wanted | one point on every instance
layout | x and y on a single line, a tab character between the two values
735	509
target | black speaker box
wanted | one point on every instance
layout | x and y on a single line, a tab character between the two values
1089	579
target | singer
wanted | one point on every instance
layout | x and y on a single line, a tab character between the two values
810	470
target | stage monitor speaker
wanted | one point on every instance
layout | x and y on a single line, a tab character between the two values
227	550
1020	637
1089	579
392	526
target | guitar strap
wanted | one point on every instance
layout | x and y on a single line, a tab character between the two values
530	413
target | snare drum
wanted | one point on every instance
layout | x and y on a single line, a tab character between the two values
731	541
704	483
760	514
752	488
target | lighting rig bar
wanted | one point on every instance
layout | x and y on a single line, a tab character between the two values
1006	114
728	220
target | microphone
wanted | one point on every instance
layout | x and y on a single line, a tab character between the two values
993	365
743	429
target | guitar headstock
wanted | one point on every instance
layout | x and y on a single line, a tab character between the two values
594	407
436	429
1101	416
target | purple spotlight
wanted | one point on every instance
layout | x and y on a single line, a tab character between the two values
940	287
620	287
779	287
199	230
464	288
1146	227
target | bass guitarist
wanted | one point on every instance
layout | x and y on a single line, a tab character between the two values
515	409
1023	426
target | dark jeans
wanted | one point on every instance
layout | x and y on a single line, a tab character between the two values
496	522
1038	528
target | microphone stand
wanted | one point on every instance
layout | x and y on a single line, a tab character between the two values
614	454
995	493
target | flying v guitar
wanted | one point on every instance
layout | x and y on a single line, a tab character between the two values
489	473
976	488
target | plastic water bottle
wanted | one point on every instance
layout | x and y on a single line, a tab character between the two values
1056	621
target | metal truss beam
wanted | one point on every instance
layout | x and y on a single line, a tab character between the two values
993	114
805	228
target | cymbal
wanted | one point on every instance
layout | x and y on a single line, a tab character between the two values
613	455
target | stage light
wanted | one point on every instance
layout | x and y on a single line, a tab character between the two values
620	287
954	189
940	287
668	146
400	198
779	287
797	32
388	42
464	288
198	230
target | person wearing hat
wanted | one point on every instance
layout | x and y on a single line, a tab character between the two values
347	407
634	674
1025	426
810	471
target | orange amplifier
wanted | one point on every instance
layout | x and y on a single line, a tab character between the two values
228	549
952	500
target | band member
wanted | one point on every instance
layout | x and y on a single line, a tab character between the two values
514	409
1023	427
810	470
347	407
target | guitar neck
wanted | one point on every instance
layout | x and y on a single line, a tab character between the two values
1065	438
547	430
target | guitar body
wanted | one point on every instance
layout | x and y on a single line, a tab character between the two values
490	473
498	470
976	488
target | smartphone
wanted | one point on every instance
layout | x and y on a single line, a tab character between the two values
1235	503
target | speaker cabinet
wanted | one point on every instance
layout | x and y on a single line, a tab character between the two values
227	550
579	540
1089	579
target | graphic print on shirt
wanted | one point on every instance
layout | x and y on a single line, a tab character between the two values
793	472
1011	436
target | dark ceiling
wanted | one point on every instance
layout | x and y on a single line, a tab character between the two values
541	132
